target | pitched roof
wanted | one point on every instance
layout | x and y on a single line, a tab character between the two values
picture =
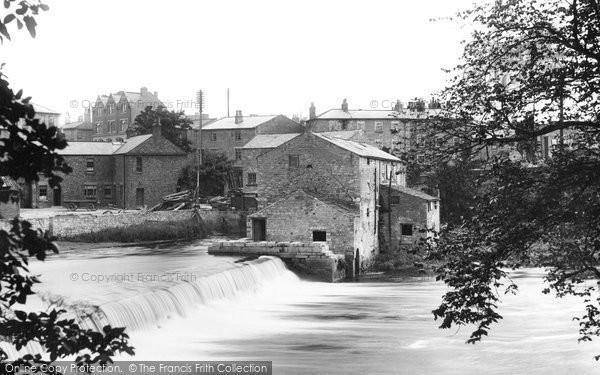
344	206
270	140
358	148
413	192
89	148
132	143
375	114
9	183
103	99
345	134
41	109
249	122
78	125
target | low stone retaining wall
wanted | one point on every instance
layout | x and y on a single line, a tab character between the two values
313	260
64	226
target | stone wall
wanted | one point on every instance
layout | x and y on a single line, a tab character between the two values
64	226
313	260
295	217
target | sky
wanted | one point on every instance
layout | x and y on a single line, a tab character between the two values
276	57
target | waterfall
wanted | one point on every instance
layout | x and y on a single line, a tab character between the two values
148	309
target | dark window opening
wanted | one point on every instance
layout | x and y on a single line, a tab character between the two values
319	236
407	229
293	161
138	164
251	179
89	165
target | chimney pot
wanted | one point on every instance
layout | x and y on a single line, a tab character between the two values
238	117
345	105
144	91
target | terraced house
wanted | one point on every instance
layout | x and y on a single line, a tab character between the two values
113	114
127	175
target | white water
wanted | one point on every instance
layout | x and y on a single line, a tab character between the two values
261	311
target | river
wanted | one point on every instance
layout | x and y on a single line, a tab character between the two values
181	303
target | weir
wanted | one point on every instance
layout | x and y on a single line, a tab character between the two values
150	308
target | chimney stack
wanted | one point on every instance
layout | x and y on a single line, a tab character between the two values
80	119
312	111
144	91
345	105
155	94
156	130
238	117
86	115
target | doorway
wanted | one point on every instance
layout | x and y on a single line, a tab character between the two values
357	263
57	196
259	229
139	197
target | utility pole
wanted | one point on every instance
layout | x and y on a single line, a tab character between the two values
228	102
200	101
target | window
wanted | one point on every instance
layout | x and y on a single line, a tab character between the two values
251	179
138	164
238	135
89	165
360	125
111	126
378	127
293	161
98	128
89	191
123	125
99	111
213	137
238	154
107	192
124	108
395	199
43	192
110	109
395	125
319	236
406	229
419	139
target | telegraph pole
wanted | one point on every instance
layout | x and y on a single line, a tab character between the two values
200	101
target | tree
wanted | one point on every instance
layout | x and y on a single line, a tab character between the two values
173	124
215	173
30	148
531	68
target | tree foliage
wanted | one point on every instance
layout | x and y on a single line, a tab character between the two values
531	68
215	173
173	124
28	149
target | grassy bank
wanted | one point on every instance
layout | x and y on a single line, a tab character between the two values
149	231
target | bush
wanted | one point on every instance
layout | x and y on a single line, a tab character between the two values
189	229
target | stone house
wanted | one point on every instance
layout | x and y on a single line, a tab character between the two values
131	174
326	174
9	198
229	134
396	130
113	114
408	215
80	130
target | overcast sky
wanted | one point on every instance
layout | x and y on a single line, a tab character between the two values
275	56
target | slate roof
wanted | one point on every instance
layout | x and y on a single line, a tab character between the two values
345	134
41	109
270	140
345	206
132	143
78	125
413	192
249	122
358	148
89	148
375	114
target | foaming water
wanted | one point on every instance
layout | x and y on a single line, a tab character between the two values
258	310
